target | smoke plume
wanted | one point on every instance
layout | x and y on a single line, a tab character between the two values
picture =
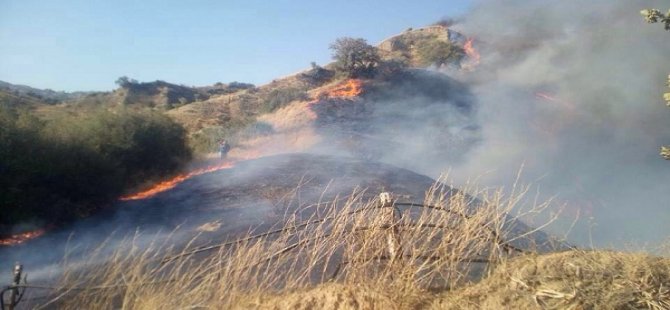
572	91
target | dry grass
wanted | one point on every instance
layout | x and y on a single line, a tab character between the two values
570	280
359	254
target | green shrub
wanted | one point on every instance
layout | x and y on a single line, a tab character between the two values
71	166
279	97
207	139
437	52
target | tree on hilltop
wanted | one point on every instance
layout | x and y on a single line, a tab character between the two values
355	57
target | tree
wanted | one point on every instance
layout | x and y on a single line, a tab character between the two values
655	16
355	57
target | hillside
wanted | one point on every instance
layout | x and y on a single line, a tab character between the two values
48	96
309	209
237	111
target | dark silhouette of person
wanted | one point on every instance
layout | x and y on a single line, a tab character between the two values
224	147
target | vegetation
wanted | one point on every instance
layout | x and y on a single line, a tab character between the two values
438	52
355	58
316	76
350	247
391	69
576	279
360	257
279	97
207	139
70	166
654	16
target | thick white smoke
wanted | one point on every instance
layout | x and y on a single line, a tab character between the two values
573	91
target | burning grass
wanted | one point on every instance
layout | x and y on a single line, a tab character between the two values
174	181
21	237
354	254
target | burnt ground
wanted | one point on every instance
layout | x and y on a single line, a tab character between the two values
254	195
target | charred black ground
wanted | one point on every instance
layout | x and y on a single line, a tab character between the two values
254	195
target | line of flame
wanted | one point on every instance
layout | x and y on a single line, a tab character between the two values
349	89
22	237
570	107
171	183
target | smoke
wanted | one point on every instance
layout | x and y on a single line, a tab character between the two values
572	91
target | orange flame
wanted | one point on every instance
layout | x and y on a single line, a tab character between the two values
171	183
473	55
21	238
174	181
347	90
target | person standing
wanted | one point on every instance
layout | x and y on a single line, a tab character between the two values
224	147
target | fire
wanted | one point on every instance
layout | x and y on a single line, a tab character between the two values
473	55
171	183
569	106
347	90
174	181
21	238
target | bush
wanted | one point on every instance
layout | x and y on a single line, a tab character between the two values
207	139
439	53
279	97
74	165
392	68
316	76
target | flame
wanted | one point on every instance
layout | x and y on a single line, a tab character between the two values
21	238
239	155
347	90
473	55
171	183
569	106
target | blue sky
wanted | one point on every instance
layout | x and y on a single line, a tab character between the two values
87	44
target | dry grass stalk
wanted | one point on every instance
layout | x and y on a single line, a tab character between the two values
435	249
